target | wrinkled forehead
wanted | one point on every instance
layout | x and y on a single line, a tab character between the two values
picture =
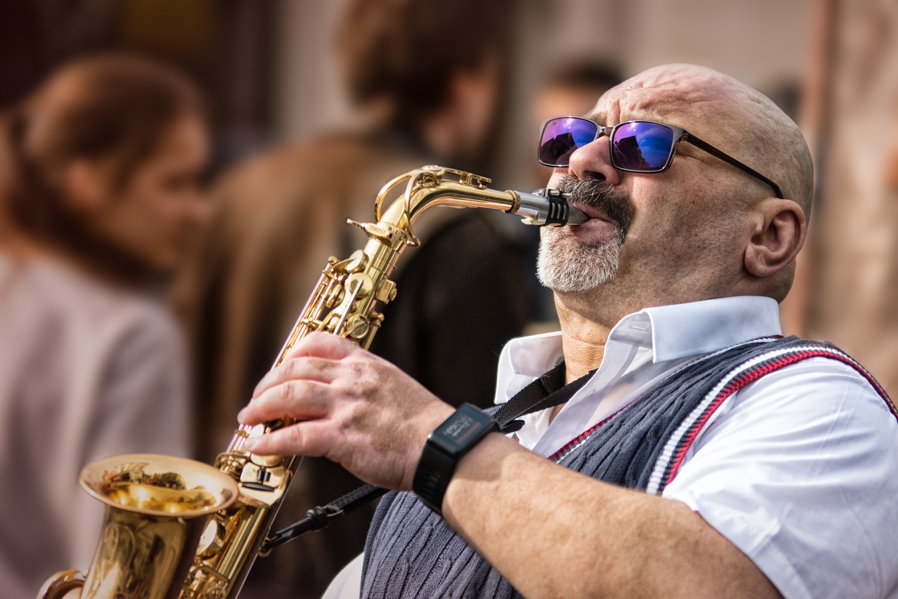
702	101
723	112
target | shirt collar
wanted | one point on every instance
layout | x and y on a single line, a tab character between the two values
671	332
700	327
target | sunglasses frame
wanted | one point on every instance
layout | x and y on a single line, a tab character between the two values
680	134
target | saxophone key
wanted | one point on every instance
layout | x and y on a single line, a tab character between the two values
386	292
356	326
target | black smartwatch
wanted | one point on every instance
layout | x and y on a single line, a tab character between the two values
444	448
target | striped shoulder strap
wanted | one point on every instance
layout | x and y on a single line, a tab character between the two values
575	443
678	444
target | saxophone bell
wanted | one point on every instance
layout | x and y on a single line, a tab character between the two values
157	511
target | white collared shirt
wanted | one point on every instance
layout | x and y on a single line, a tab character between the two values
799	469
642	349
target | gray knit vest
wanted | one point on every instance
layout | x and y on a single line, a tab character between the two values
412	552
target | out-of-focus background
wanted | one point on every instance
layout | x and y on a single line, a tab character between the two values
271	73
296	93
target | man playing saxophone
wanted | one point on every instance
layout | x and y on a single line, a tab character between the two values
720	459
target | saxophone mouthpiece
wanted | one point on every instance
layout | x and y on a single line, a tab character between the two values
548	208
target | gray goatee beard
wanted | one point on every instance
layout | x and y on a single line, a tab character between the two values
567	265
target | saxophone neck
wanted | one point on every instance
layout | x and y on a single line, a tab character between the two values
429	186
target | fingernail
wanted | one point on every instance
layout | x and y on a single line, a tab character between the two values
241	415
251	443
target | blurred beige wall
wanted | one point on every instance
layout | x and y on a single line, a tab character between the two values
850	265
761	42
308	94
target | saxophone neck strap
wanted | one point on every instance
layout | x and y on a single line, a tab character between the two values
545	392
319	517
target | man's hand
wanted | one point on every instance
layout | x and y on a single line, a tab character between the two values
350	406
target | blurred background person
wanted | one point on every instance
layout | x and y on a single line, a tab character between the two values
429	86
99	174
571	88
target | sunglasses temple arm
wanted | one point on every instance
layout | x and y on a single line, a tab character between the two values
730	160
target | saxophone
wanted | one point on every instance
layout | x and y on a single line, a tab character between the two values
179	529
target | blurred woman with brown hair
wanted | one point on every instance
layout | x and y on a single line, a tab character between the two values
99	194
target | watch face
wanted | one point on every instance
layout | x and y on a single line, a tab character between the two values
465	426
460	429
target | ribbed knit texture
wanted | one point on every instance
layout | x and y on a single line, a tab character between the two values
412	552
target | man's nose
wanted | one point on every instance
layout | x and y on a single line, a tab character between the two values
594	157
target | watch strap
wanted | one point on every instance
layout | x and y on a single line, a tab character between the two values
445	446
432	477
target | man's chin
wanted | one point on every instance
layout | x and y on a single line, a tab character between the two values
579	273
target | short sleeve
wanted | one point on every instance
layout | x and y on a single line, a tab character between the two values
799	470
347	584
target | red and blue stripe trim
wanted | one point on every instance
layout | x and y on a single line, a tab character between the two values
678	445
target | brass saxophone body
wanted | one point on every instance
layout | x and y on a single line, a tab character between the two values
233	527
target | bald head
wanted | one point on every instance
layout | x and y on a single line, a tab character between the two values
702	228
727	114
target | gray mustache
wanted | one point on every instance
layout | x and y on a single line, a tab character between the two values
598	194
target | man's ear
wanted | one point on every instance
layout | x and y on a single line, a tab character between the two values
778	232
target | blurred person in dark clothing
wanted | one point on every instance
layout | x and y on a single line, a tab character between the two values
99	173
428	77
570	89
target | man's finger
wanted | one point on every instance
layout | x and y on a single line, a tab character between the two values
297	399
321	370
302	438
323	345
